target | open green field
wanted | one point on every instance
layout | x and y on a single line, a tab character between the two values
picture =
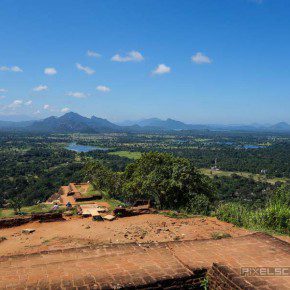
256	177
127	154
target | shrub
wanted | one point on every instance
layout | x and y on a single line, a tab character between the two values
231	212
219	236
275	216
199	204
16	203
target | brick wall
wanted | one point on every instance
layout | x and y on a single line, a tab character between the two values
221	277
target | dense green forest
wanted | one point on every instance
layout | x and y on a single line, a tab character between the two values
275	159
33	166
244	152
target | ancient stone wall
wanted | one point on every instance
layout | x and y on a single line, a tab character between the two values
14	222
41	217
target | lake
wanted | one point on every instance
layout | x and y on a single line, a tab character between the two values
253	146
84	148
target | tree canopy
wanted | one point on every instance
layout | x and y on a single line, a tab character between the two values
171	182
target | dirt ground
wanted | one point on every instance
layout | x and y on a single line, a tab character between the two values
77	231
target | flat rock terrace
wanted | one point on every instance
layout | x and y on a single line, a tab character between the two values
169	265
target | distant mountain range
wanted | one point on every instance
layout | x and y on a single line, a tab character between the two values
75	123
171	124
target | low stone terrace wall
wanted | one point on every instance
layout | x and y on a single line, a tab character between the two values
41	217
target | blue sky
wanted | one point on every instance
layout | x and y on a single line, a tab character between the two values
199	61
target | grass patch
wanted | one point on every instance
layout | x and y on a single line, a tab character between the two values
91	192
219	236
127	154
111	201
114	203
27	210
274	218
256	177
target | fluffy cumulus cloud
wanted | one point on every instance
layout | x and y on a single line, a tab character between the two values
78	95
50	71
15	104
161	69
200	58
11	69
103	88
133	55
40	88
92	53
85	69
65	110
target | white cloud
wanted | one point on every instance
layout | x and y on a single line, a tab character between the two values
4	68
36	112
28	103
40	88
161	69
65	110
15	104
79	95
130	56
3	91
16	69
200	58
91	53
12	68
103	88
50	71
47	107
86	69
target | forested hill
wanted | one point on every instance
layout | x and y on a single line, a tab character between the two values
73	122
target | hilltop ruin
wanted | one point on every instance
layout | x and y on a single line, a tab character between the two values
74	193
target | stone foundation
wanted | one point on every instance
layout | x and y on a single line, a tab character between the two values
41	217
14	222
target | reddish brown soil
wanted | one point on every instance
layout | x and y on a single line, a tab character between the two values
78	231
